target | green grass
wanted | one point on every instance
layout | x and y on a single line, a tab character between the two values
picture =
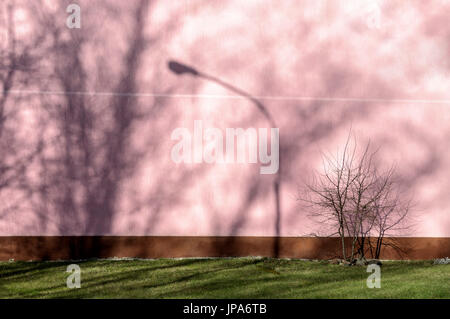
222	278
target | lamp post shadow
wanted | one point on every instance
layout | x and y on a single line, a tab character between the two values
181	69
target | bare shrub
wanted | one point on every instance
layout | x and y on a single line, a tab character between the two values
359	202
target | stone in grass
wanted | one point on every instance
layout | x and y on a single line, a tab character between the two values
442	261
356	262
360	262
345	263
335	261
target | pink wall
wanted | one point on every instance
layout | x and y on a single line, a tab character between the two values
97	164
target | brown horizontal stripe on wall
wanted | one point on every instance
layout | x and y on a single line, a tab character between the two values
82	247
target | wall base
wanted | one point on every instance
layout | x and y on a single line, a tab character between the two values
83	247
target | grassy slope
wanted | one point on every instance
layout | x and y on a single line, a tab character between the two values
222	278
